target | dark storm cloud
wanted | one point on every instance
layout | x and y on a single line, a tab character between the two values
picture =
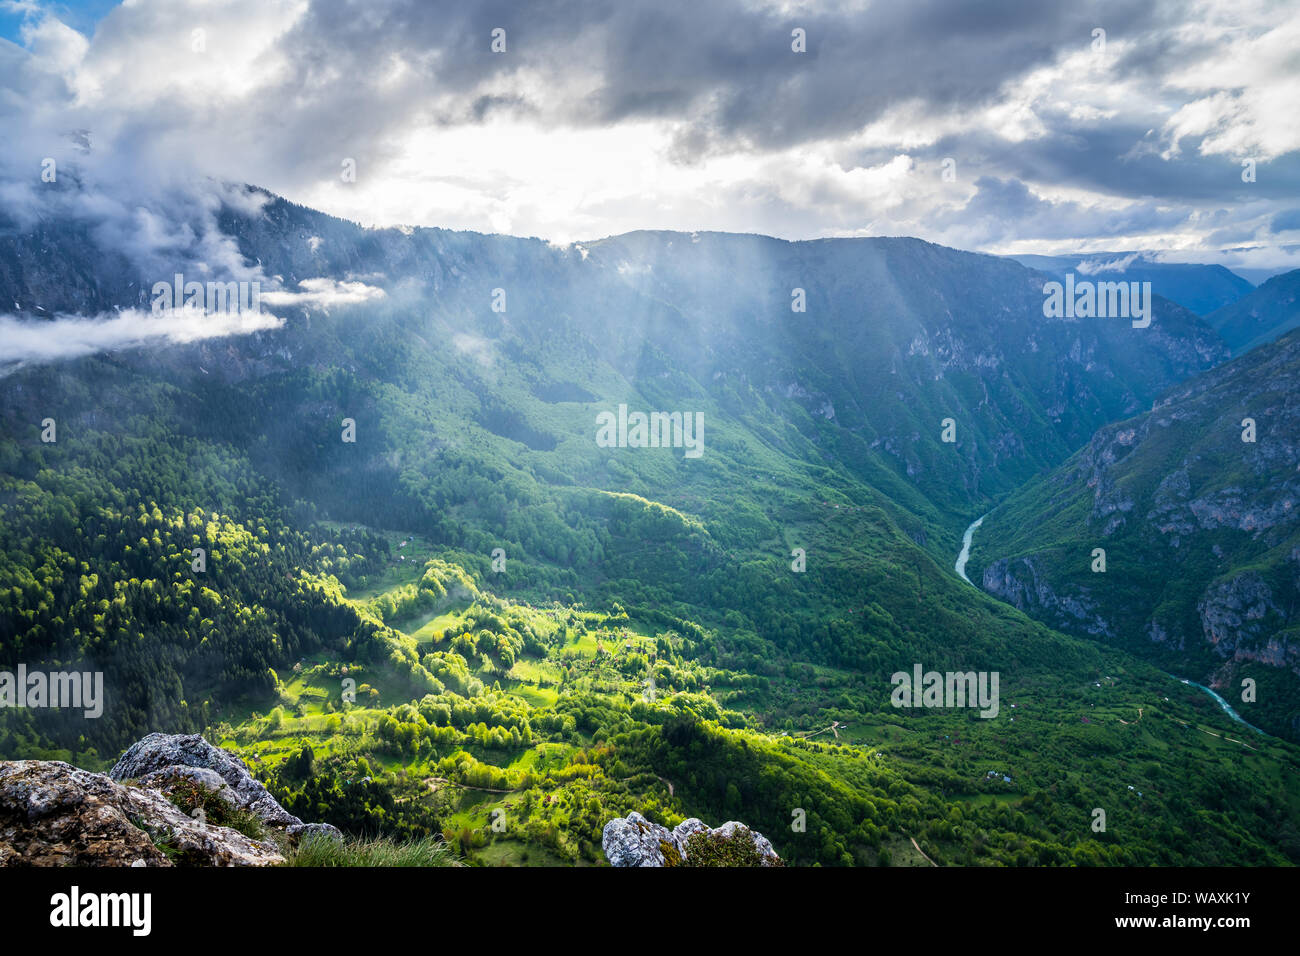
1102	157
1286	221
724	70
724	74
1004	210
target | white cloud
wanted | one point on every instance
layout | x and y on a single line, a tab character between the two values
324	293
64	337
1095	266
1246	84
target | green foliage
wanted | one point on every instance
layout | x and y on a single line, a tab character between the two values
190	796
349	794
1176	489
647	646
735	850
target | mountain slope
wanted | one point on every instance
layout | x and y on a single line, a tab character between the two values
898	336
677	697
476	428
1201	532
1261	316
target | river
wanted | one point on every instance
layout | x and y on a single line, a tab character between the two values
1227	708
964	556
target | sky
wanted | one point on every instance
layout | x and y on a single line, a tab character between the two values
1015	127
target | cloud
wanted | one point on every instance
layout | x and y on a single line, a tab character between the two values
324	293
25	341
474	346
605	117
1286	221
1096	266
1246	81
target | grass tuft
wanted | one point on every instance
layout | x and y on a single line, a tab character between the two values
321	850
189	796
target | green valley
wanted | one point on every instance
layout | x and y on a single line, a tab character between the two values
475	621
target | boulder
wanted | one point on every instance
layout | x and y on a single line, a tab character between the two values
635	841
159	760
52	814
734	830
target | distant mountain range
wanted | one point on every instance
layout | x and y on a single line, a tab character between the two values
1200	288
897	336
1244	315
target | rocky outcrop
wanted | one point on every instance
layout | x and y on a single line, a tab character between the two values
1022	583
52	814
635	841
140	813
1241	620
165	758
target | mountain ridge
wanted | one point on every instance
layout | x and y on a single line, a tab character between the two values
1199	287
1269	311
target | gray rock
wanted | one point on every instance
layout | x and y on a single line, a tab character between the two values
166	778
635	841
683	831
733	829
300	830
159	758
52	814
161	752
1022	582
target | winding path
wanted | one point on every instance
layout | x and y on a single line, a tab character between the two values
919	850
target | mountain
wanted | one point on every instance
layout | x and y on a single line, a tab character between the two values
477	607
898	336
1198	513
1261	316
1202	288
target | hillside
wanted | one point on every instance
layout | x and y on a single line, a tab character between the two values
1261	316
897	336
1200	528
